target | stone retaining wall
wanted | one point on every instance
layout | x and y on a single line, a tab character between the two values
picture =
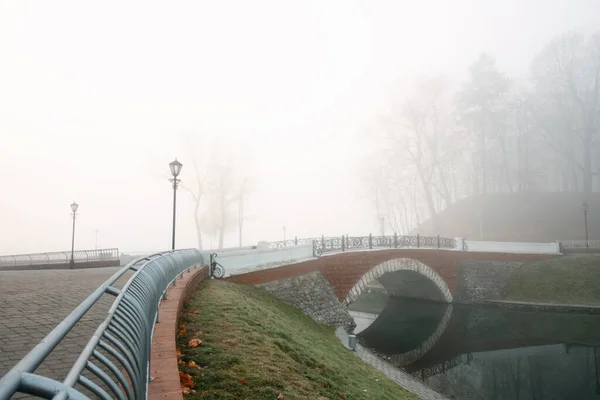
482	280
312	294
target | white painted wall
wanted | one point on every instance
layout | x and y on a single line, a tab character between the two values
246	260
509	247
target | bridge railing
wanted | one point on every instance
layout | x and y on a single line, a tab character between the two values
117	357
291	242
580	244
59	257
345	242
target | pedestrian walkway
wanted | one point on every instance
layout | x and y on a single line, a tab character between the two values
32	303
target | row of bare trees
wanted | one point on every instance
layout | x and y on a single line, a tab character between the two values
492	134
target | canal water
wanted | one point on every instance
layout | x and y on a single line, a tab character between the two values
479	352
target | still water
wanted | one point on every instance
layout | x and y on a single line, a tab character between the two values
476	352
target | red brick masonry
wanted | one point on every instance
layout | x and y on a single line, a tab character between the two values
344	270
163	360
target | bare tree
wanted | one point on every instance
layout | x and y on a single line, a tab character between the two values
481	105
419	135
243	193
566	77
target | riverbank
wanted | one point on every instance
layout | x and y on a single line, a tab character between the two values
568	280
254	346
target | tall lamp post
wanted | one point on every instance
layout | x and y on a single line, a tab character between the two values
585	212
74	208
175	170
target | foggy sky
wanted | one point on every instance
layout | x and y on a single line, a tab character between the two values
95	99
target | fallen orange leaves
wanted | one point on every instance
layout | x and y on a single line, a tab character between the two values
195	343
243	381
192	364
178	352
186	380
182	330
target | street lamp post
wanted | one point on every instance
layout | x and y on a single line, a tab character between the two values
585	213
175	170
74	208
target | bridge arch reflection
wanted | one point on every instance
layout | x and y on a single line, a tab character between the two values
420	324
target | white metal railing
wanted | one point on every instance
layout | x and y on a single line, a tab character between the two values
59	257
580	244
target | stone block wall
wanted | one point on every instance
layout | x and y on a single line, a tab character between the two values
312	294
482	280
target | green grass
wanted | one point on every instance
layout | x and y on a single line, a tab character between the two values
572	279
256	347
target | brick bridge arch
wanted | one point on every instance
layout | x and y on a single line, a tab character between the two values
345	270
394	265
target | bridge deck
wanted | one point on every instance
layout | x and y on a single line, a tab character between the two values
32	303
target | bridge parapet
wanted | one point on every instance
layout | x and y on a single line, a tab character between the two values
509	247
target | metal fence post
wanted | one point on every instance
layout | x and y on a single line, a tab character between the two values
343	243
323	243
395	240
296	240
438	241
418	241
370	241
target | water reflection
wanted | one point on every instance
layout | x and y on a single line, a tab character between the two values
474	352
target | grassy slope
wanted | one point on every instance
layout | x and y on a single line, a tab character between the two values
256	347
573	279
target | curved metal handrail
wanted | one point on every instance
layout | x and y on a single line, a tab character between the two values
121	344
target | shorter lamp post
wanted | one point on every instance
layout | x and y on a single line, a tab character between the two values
585	213
74	208
175	170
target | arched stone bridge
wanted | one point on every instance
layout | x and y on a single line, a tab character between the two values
433	274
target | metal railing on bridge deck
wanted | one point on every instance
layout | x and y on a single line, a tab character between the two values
58	257
342	243
117	357
579	244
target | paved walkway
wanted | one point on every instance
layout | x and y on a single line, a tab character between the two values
32	303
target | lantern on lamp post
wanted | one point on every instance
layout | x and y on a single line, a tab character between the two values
175	170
